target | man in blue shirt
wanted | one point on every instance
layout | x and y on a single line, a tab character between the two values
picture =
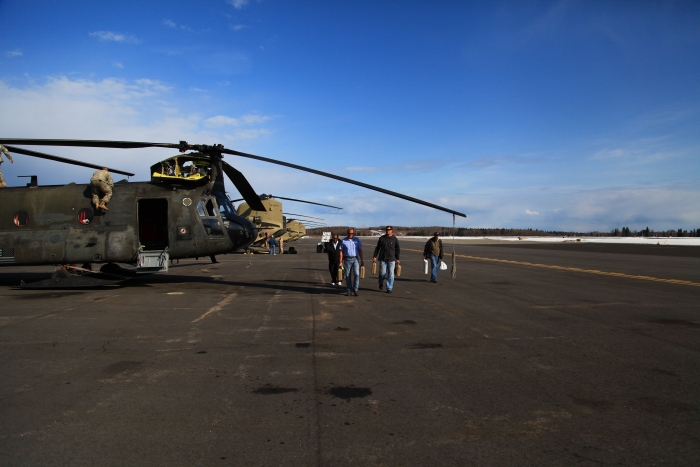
272	244
350	251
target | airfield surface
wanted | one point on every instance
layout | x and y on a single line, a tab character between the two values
541	354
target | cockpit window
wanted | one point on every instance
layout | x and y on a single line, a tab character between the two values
224	205
206	208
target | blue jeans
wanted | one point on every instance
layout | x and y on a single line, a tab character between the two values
272	249
434	266
351	265
386	270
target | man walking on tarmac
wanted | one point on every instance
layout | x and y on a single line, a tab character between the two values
433	252
102	186
350	251
4	150
387	252
333	251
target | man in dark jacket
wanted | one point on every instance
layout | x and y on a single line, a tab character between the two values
387	252
433	252
333	250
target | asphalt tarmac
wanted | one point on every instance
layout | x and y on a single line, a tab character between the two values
547	355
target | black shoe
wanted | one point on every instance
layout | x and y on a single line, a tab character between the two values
388	291
348	293
381	286
431	280
355	292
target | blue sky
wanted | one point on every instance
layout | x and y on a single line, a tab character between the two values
556	115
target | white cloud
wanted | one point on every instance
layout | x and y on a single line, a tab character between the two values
13	53
639	151
114	37
223	120
237	3
531	213
610	154
171	24
251	133
117	109
370	169
238	27
418	166
118	65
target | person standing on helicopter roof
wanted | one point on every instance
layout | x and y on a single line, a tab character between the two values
102	186
3	149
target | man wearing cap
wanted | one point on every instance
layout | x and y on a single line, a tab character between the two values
433	252
350	252
387	252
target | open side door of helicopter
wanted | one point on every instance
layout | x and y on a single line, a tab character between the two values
153	234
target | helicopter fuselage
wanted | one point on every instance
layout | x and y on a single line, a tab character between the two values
58	224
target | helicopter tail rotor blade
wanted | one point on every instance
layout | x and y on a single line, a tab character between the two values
243	187
343	179
51	157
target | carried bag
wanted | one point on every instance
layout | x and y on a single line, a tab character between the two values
340	274
443	266
374	268
362	272
397	270
426	269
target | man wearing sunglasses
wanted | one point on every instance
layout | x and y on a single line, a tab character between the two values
387	252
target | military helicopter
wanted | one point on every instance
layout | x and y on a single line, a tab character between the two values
272	222
177	214
296	229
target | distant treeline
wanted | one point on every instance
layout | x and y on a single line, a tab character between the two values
489	232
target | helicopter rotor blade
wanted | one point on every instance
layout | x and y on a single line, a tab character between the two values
304	201
301	215
218	149
51	157
343	179
307	225
85	143
243	187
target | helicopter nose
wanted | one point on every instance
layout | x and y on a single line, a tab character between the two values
241	232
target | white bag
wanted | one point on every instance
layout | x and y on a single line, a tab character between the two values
426	270
443	266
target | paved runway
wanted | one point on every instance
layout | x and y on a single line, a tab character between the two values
546	355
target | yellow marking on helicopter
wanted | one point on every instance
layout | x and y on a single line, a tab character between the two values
182	169
571	269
